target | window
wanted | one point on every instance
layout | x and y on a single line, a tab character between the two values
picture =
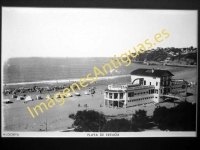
129	94
152	91
110	95
183	86
144	82
120	95
115	95
150	83
106	94
156	83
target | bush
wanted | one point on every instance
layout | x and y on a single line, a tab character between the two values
72	116
117	125
140	120
180	118
88	121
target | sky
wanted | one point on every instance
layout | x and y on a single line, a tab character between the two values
91	32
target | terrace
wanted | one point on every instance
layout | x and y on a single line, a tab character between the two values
178	81
128	86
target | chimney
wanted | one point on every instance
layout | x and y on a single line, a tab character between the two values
152	71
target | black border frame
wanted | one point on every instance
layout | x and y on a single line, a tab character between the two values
132	143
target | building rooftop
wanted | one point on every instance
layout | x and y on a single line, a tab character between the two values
151	72
127	87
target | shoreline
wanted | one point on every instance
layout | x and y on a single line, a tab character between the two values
166	64
63	81
188	66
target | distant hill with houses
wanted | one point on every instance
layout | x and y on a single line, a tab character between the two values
184	56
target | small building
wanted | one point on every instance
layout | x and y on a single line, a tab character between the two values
14	96
28	98
48	96
38	97
6	101
87	93
20	98
77	94
67	95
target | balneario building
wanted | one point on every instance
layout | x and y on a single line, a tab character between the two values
147	86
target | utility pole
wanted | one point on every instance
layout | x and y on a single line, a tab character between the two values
86	106
99	122
46	124
174	100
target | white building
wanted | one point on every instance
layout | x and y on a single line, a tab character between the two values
147	85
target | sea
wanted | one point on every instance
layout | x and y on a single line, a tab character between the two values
34	69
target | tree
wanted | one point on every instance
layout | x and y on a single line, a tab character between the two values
88	121
117	125
180	118
158	115
139	120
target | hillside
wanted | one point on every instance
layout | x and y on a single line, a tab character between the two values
185	59
163	55
159	55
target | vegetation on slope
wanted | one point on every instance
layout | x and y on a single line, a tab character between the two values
179	118
162	55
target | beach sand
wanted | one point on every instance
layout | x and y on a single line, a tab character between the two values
17	118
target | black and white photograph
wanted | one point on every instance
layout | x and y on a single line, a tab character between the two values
98	72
